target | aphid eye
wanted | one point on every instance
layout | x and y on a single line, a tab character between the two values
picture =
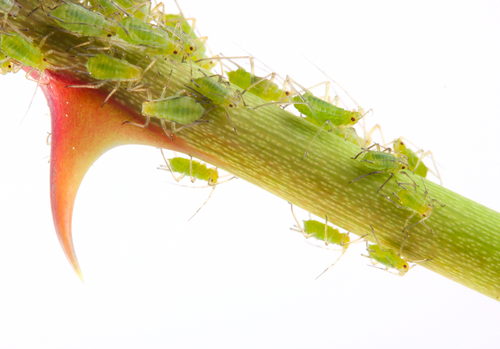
401	142
353	119
403	167
109	35
45	60
175	52
424	215
191	48
287	93
405	266
10	66
230	105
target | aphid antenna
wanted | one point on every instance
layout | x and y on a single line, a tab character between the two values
32	98
335	82
258	60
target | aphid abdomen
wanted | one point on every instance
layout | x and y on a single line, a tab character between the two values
213	90
196	169
324	111
139	33
387	257
413	202
182	110
78	19
103	67
380	161
15	47
317	229
241	78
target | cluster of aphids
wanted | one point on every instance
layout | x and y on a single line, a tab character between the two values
108	27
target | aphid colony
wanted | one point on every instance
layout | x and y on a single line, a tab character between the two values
107	27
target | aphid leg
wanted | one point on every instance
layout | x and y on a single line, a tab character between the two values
209	196
422	156
117	86
325	238
36	8
365	175
343	252
327	122
375	236
164	127
231	121
34	93
177	179
147	68
383	185
368	135
307	236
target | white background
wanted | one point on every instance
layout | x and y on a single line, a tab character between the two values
236	276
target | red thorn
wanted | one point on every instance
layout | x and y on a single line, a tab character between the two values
81	132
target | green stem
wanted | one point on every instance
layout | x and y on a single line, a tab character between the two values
267	152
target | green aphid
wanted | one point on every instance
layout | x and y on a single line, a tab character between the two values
82	21
183	110
382	162
388	258
262	87
217	91
134	31
325	233
195	170
418	205
415	159
16	47
109	69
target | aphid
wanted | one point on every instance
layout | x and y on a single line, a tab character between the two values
325	113
183	110
388	258
262	87
421	206
16	47
81	21
324	232
108	69
382	162
195	170
135	31
219	92
414	161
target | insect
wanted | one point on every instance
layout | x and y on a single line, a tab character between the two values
108	69
421	206
324	232
388	258
81	21
382	162
17	47
195	170
183	110
219	92
258	86
414	161
323	112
